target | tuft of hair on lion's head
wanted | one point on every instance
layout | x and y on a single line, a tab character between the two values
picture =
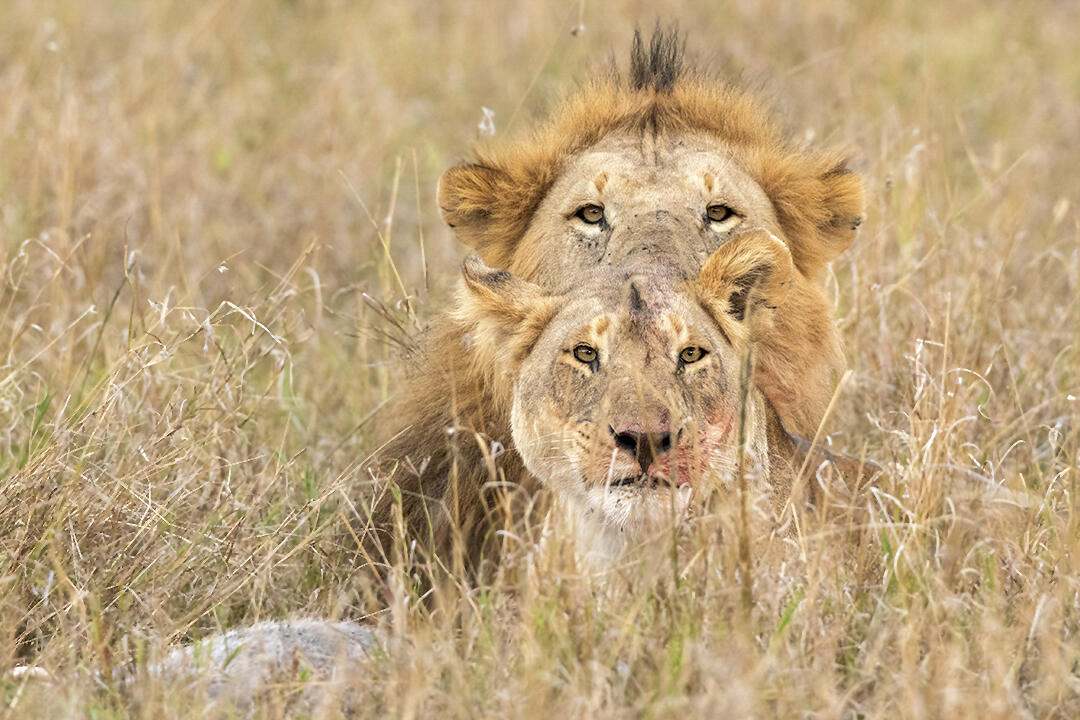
814	199
658	66
653	169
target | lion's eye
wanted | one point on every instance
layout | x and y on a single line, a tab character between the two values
691	354
721	214
590	214
585	353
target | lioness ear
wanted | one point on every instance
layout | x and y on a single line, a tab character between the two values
746	273
506	315
752	280
468	195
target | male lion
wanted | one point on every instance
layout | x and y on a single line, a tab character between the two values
656	170
641	175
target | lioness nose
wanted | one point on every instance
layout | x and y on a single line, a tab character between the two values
644	445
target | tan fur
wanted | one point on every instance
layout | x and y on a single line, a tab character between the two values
438	457
455	415
494	381
490	200
500	202
791	325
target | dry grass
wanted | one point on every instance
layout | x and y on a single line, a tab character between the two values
192	198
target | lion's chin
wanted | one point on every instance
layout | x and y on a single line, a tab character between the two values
645	482
649	481
641	503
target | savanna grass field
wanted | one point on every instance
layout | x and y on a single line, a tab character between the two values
219	239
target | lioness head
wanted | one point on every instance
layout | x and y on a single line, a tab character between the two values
628	393
652	172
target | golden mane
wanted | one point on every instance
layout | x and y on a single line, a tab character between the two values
450	461
491	198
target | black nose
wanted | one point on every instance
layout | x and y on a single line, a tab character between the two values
644	446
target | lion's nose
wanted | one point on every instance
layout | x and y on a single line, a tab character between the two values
644	445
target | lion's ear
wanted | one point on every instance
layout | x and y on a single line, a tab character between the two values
506	315
747	273
752	281
819	204
469	196
842	190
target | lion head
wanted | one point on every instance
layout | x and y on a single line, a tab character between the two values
637	191
650	172
630	394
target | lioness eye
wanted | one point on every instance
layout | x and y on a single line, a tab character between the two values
584	353
691	354
719	213
591	214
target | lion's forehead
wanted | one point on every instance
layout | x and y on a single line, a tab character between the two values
667	322
621	167
676	326
664	327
